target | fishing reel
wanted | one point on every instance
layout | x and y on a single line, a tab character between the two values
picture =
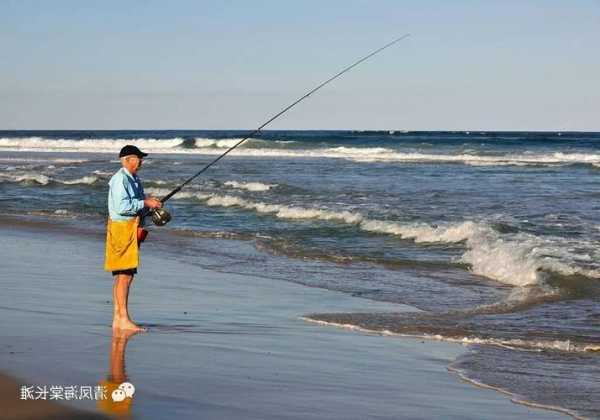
160	217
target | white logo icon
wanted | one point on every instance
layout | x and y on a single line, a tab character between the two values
125	390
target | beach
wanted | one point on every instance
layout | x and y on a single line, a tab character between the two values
219	345
480	246
374	211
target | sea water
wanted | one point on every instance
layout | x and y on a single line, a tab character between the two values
493	236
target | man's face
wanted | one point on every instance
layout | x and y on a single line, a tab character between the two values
132	163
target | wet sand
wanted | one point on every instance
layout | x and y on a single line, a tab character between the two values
16	409
219	346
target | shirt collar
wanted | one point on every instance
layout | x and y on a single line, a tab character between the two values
128	174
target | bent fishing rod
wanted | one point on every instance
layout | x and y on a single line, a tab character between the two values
161	216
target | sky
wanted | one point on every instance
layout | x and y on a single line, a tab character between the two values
467	65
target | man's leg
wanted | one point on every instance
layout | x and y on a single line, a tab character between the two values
127	293
121	319
115	306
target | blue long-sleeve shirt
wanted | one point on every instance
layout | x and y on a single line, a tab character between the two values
125	195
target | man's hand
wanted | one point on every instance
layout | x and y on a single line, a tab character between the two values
152	203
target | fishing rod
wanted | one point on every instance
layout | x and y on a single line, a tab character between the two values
161	216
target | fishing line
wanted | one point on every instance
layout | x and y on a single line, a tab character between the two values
161	217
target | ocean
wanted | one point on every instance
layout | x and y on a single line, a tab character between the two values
492	236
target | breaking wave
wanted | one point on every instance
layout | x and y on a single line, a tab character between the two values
515	259
42	144
83	180
40	160
103	173
250	186
279	210
222	143
518	259
278	148
40	179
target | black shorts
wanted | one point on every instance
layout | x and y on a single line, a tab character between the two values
130	271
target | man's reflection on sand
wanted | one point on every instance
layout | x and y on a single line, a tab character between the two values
117	375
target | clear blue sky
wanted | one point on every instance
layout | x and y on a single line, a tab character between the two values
505	65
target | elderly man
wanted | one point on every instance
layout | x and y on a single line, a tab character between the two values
126	200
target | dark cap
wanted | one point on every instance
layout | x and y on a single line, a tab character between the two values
131	150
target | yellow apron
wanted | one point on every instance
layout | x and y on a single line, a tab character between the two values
122	250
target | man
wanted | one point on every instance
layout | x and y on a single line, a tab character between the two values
126	200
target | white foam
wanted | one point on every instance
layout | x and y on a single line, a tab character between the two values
157	181
511	262
538	345
269	149
515	398
503	163
250	186
421	232
521	259
57	160
44	179
26	177
278	210
83	180
219	143
360	151
161	192
85	145
513	259
481	160
227	143
283	211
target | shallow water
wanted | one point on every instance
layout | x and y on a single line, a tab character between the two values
493	235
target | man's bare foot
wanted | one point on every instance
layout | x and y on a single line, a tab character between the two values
126	325
124	335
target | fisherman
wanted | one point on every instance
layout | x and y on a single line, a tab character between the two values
126	201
